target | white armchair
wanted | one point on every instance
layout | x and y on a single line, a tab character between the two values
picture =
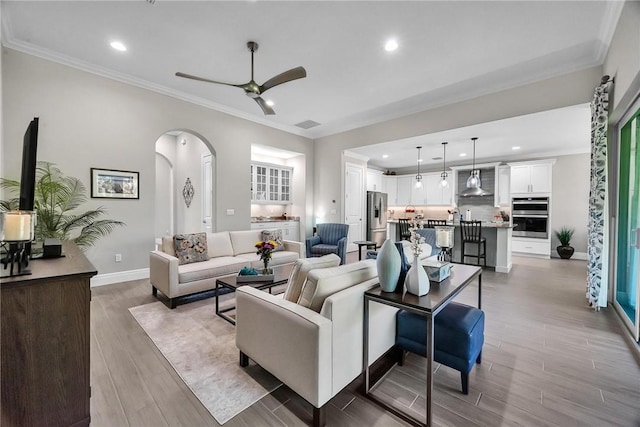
314	346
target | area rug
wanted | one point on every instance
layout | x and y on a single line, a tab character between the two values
201	348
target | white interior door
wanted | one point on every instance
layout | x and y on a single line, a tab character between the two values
207	193
354	203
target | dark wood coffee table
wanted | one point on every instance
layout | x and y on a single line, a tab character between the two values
280	277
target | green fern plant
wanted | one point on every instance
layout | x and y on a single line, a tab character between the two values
57	198
564	235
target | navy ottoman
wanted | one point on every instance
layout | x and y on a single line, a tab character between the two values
458	337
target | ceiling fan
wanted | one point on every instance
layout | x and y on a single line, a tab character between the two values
254	90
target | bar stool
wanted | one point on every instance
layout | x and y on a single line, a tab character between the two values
471	233
403	224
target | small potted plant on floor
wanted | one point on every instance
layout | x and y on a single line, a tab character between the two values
564	235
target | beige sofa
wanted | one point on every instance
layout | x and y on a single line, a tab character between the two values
228	251
314	345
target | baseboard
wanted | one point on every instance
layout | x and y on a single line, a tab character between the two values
121	276
504	269
576	255
530	255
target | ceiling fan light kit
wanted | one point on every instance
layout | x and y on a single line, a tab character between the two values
252	89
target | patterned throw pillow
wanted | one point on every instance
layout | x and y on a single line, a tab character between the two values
190	247
275	235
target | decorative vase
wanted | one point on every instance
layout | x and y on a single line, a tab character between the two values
565	252
388	262
266	269
417	281
404	269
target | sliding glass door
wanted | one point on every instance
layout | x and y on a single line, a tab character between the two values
627	297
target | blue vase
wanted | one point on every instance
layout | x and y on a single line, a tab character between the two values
404	268
388	262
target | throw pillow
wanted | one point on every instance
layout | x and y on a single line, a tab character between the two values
276	236
300	271
190	247
325	282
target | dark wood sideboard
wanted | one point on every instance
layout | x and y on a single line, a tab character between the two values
44	322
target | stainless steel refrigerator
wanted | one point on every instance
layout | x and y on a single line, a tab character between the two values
376	217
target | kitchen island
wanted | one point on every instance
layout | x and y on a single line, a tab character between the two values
498	237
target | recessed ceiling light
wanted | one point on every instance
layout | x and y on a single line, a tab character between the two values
463	154
385	156
515	148
420	160
118	46
270	103
391	45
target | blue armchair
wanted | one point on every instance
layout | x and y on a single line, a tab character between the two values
329	239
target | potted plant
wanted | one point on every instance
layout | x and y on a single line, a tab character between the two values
57	200
564	235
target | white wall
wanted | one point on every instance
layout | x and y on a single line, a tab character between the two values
570	198
189	165
91	121
623	58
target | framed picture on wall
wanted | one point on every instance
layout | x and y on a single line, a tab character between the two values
114	184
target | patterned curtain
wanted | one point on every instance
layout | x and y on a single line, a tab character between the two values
597	246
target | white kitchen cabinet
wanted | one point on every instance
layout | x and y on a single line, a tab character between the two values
504	186
374	180
390	186
270	184
436	195
405	185
290	229
418	194
530	178
523	246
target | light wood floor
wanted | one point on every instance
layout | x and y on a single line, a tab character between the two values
548	360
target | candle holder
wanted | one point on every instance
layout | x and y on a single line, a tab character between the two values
17	231
444	240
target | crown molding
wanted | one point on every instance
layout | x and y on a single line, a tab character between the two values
613	10
52	56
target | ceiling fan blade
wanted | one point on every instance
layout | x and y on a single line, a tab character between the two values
287	76
265	108
189	76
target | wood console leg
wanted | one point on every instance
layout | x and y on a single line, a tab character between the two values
244	360
172	303
319	416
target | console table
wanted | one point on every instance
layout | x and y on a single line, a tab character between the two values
428	305
45	342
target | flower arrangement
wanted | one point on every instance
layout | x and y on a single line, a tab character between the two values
264	250
416	239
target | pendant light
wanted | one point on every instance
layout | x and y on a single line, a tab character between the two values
474	179
443	182
418	176
473	182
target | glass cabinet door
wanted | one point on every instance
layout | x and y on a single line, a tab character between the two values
628	259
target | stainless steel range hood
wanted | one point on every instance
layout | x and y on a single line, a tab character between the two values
471	191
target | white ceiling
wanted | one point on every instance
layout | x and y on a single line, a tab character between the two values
549	133
448	51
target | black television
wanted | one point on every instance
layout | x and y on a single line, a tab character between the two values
28	177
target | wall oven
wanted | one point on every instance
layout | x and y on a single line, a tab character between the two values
530	217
